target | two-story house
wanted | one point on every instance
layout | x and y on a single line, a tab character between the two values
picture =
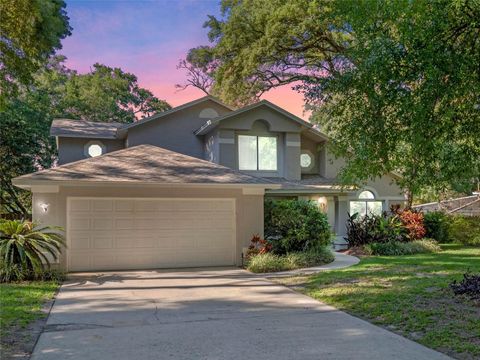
186	187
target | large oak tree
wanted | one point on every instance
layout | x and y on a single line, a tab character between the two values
396	84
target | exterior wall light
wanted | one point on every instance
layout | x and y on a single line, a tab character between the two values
322	203
44	206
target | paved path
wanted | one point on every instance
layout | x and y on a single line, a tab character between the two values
206	314
341	261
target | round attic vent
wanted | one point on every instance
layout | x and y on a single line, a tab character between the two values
208	113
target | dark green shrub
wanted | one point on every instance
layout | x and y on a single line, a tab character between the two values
25	248
465	230
437	225
362	230
295	225
402	248
469	286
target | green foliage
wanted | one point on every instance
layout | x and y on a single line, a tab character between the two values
30	31
295	225
437	225
394	89
465	230
394	248
269	262
371	228
27	248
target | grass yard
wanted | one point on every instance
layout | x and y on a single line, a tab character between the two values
20	305
408	295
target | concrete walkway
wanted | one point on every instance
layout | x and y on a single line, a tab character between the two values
206	314
341	261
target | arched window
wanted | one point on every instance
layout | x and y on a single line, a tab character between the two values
366	204
94	148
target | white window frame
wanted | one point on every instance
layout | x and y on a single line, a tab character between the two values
94	142
312	158
366	201
258	155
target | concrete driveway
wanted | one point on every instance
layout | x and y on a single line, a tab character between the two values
206	314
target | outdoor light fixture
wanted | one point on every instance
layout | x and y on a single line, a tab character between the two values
322	203
44	206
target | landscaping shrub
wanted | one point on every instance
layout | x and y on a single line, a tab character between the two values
465	230
24	250
258	246
402	248
310	258
295	225
268	262
413	224
437	225
362	230
470	286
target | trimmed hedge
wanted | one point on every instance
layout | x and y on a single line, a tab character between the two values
295	226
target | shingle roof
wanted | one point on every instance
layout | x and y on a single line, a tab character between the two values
82	128
143	164
310	184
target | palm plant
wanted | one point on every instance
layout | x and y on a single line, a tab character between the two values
26	245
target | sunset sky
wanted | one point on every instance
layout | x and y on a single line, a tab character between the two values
148	38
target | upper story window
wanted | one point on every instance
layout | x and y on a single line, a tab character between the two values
257	152
94	148
307	160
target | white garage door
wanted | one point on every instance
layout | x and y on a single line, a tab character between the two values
116	234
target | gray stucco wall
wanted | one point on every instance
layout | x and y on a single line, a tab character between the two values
73	149
175	131
249	208
261	121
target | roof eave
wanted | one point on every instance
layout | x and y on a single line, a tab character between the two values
26	183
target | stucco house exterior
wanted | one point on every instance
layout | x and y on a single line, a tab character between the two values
186	187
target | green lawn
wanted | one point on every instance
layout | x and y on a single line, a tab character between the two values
20	303
408	295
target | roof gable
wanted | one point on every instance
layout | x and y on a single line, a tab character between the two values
213	123
177	108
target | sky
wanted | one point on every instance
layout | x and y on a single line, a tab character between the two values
148	38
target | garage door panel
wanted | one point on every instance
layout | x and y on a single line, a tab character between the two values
110	234
124	205
79	224
79	240
102	224
102	240
80	205
102	205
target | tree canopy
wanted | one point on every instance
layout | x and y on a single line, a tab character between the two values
30	31
396	84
